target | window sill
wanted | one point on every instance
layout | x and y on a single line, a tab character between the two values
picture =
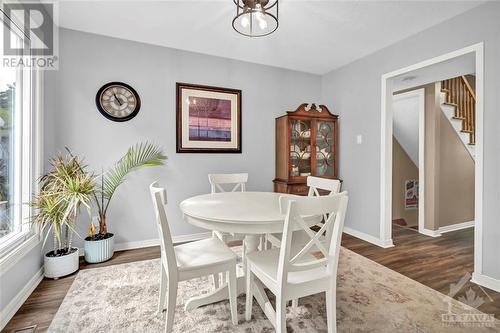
17	253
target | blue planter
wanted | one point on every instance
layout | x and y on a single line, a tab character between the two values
99	250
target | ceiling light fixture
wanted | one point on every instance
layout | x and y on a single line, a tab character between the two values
254	18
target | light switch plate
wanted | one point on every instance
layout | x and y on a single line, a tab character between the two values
359	139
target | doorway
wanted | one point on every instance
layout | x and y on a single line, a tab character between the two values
408	204
387	141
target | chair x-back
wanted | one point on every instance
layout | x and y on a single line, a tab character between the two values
295	271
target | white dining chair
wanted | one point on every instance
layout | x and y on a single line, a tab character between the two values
292	271
227	182
187	261
316	184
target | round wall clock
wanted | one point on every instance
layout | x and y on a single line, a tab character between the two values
118	101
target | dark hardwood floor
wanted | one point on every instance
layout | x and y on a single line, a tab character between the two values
435	262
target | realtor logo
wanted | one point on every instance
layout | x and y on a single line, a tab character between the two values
29	35
471	300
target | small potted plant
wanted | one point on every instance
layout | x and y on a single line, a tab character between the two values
63	191
99	244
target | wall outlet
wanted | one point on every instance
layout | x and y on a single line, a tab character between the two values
359	139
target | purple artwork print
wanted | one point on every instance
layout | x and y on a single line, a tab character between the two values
209	119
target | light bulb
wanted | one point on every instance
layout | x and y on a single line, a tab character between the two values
263	24
259	16
244	21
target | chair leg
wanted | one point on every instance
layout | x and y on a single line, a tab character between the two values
265	243
280	314
249	295
163	289
215	278
295	303
171	304
232	294
331	311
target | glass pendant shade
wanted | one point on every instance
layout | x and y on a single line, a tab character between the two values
256	18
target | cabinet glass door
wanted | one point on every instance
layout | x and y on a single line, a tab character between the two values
300	148
324	148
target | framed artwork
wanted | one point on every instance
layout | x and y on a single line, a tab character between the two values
208	119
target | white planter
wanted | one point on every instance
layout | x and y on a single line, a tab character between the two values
56	267
99	250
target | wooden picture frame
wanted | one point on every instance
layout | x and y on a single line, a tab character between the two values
208	119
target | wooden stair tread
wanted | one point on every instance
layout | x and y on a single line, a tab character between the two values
458	118
466	131
452	104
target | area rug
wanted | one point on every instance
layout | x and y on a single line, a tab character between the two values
370	298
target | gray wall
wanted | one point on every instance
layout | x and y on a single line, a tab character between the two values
353	91
88	61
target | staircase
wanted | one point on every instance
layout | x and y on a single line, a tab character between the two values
458	103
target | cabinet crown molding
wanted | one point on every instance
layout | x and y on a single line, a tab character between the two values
312	110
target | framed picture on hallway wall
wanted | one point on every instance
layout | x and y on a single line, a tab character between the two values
208	119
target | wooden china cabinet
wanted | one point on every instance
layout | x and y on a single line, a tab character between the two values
299	133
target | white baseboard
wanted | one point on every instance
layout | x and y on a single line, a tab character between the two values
486	281
191	237
458	226
137	244
369	238
429	232
10	310
156	242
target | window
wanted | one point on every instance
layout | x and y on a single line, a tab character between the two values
16	150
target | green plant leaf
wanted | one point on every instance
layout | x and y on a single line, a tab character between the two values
141	155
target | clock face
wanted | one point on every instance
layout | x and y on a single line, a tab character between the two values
118	101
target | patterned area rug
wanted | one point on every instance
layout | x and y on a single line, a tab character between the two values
370	298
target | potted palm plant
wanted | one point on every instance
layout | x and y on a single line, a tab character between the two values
99	244
63	191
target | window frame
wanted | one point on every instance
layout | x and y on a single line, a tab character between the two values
28	155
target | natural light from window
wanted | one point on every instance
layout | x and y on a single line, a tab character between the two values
16	151
7	151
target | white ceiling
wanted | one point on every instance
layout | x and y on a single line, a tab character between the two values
314	36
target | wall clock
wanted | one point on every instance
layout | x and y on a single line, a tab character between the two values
118	101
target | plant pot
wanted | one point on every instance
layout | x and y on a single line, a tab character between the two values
99	250
56	267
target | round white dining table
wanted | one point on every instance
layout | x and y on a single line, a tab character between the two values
250	213
235	212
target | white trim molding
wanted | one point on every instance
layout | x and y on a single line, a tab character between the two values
457	226
136	244
10	310
386	147
12	257
429	232
486	281
368	238
156	242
